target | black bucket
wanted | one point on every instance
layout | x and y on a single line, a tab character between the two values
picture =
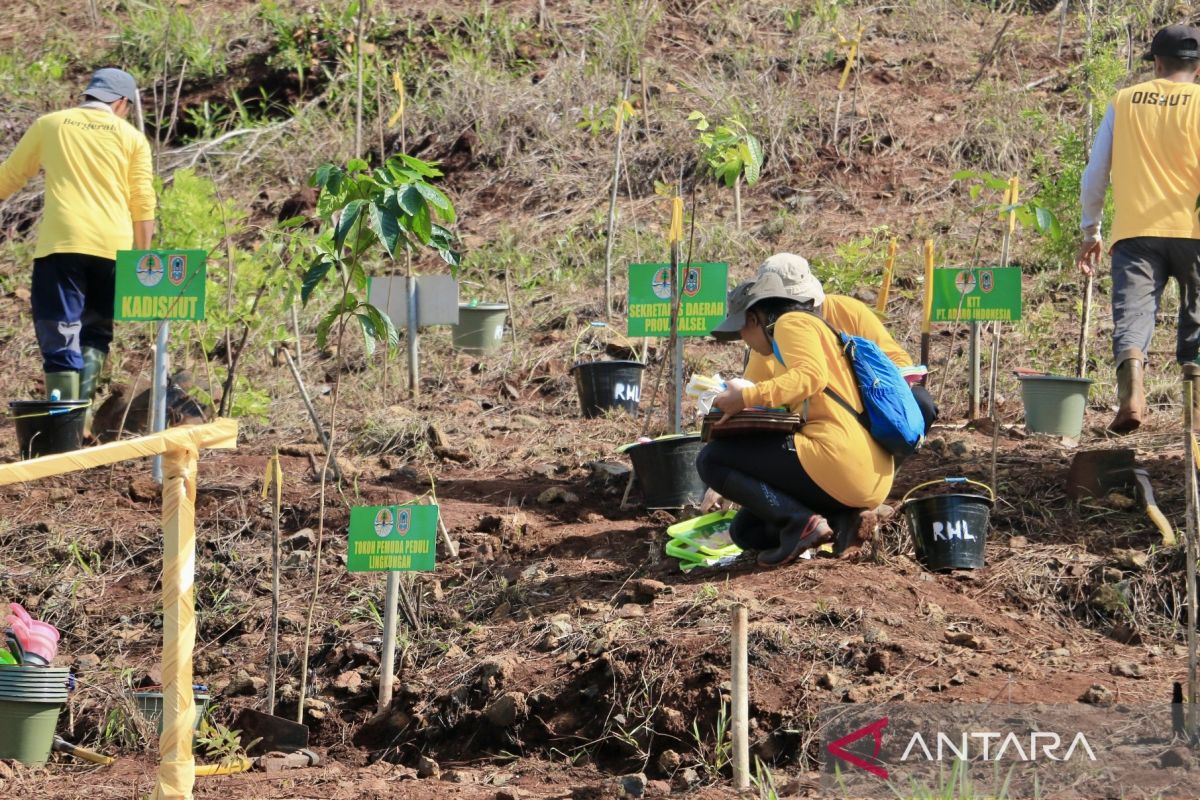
608	384
45	427
949	530
666	470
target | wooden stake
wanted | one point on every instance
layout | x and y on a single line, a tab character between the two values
1085	323
927	311
741	700
274	482
387	663
312	412
1011	196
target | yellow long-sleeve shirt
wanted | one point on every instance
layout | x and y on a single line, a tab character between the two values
99	180
834	448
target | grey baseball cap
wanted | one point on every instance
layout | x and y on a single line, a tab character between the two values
797	276
110	84
742	299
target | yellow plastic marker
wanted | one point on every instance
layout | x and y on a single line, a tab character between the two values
1011	195
399	84
851	55
180	448
676	232
885	289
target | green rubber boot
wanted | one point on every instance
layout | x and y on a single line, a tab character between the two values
89	379
67	384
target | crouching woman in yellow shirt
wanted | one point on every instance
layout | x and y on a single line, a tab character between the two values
796	491
99	199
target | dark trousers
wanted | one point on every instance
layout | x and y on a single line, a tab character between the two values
770	458
72	300
1140	269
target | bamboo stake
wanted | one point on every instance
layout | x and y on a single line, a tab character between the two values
273	482
888	268
851	56
387	664
741	701
619	124
1081	360
676	384
312	412
358	99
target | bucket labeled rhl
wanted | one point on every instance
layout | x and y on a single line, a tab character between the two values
949	530
666	470
608	384
45	427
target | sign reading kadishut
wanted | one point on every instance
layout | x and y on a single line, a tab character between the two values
392	538
153	285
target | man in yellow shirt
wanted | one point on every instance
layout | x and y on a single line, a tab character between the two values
1149	144
99	198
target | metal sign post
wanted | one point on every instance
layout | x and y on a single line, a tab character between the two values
411	302
158	393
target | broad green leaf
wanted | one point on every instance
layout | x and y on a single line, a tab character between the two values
369	334
349	217
427	168
965	174
1047	223
314	275
383	324
452	258
327	176
438	200
292	222
752	154
422	224
385	225
356	165
411	200
975	190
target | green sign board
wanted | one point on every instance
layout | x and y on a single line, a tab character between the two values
154	285
392	538
977	294
702	299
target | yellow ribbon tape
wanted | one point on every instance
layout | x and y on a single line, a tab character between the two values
676	234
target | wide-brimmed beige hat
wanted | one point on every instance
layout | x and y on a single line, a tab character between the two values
796	275
745	295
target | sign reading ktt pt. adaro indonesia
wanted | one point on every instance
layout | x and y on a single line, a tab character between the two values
1043	750
976	294
392	538
702	299
154	285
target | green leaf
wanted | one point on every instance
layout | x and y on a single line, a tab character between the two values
292	222
385	225
422	224
314	275
752	154
349	217
327	176
965	174
411	200
385	330
1047	223
356	165
975	190
368	330
437	200
426	168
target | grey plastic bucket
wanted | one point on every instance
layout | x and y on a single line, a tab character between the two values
30	701
150	706
1054	404
480	328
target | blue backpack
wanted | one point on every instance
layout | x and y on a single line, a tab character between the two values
890	412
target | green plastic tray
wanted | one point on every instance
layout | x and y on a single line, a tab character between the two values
701	541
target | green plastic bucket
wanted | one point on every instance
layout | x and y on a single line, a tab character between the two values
150	706
27	730
480	328
1054	404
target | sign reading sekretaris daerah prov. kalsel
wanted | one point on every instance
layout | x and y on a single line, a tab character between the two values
701	295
